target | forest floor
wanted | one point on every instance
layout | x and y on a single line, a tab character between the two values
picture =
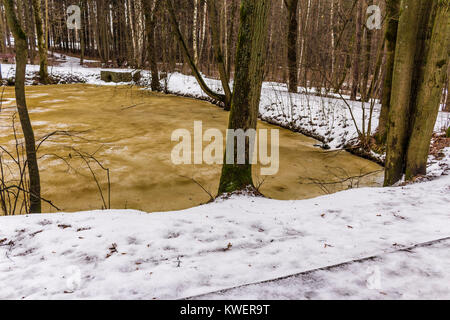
124	254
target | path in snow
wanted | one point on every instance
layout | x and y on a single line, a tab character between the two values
418	272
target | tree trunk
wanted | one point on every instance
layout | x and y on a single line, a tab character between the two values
29	30
303	46
393	11
30	145
82	31
402	83
187	55
131	34
429	94
357	52
3	34
150	18
43	73
231	33
218	52
367	63
47	28
447	92
202	38
292	34
250	58
195	32
333	41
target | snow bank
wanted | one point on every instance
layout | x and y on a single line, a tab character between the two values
134	255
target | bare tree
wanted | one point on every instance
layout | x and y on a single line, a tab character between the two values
43	73
30	146
250	57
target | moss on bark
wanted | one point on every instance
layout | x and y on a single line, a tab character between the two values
250	58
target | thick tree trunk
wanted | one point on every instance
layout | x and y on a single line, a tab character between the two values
412	12
292	34
429	94
393	11
43	73
30	146
250	58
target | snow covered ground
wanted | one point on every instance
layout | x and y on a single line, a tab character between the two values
418	273
328	119
123	254
135	255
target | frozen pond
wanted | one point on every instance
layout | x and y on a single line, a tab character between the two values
129	132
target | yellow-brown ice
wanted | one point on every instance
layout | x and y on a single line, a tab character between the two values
129	130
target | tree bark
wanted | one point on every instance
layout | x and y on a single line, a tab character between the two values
218	52
393	12
195	32
43	73
357	52
3	34
30	145
29	30
150	19
292	35
250	58
231	33
402	83
82	31
429	94
447	92
367	62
